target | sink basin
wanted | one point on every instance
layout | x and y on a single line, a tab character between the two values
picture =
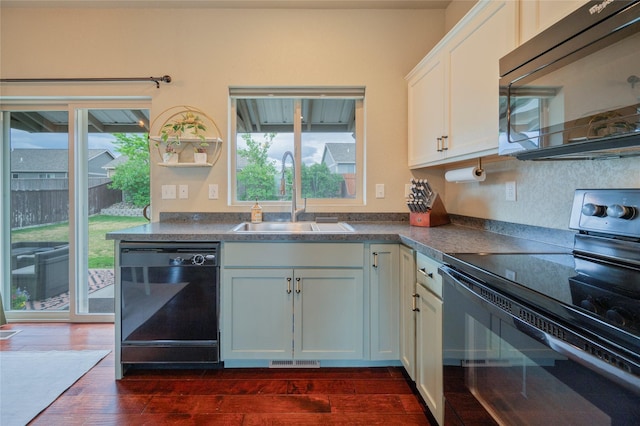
292	227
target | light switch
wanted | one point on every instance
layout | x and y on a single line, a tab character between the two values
213	191
183	192
379	190
168	192
510	191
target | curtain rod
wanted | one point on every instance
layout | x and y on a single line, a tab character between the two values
157	80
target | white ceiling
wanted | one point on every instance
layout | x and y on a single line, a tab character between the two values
234	4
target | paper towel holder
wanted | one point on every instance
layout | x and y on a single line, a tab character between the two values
468	174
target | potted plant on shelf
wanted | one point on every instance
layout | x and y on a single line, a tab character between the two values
200	152
187	126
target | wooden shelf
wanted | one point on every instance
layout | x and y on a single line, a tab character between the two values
185	164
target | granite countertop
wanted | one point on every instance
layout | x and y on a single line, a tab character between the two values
433	242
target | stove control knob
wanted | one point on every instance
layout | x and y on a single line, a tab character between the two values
621	212
591	209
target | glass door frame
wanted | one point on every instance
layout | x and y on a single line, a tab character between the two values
78	194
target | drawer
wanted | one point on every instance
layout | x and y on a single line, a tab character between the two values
287	254
427	274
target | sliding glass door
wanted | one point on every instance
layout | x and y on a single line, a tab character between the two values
74	173
38	211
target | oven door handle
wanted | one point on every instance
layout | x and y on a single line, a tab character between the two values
578	355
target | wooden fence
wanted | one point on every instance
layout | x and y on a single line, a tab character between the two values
47	206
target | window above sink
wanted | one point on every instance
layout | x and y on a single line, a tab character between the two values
322	127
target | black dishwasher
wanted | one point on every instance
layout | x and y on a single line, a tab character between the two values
169	304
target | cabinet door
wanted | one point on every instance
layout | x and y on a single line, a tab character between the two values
328	313
257	318
429	352
385	301
537	15
426	94
407	314
473	79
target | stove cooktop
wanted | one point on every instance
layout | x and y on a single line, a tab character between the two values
594	296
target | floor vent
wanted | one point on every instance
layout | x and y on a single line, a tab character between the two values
5	334
294	364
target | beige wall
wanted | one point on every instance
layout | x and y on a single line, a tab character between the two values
456	10
207	50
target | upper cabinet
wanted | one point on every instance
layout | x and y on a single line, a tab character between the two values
453	91
537	15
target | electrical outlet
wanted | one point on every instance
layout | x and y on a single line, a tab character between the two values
213	191
510	191
168	192
379	190
183	192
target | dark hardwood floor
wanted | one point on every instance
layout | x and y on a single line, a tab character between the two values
325	396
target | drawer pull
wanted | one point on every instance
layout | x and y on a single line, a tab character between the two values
423	271
298	285
414	308
288	285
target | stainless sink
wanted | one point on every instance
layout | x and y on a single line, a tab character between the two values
292	227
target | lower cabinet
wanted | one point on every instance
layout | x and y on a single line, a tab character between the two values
408	311
384	291
281	314
429	335
309	306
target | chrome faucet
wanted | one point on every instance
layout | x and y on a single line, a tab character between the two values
294	211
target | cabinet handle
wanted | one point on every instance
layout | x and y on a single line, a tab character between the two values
414	308
375	259
423	271
298	285
438	143
288	285
445	145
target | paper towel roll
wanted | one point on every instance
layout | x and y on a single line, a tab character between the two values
470	174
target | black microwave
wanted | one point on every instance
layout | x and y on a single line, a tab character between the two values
573	91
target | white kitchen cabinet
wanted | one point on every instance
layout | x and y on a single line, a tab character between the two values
384	307
429	335
453	92
538	15
280	314
284	312
427	123
407	311
257	321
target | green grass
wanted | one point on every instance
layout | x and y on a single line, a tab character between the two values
100	249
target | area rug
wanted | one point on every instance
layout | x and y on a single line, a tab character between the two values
31	381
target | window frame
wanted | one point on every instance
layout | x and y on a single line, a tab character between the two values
299	93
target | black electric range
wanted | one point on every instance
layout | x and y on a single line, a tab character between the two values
594	289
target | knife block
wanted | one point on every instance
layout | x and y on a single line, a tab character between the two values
436	216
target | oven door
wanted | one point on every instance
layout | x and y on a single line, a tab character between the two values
498	369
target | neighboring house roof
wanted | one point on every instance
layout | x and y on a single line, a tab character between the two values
46	160
111	165
341	153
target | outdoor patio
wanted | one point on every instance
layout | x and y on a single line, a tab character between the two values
101	295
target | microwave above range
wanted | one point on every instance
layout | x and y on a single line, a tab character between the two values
573	91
